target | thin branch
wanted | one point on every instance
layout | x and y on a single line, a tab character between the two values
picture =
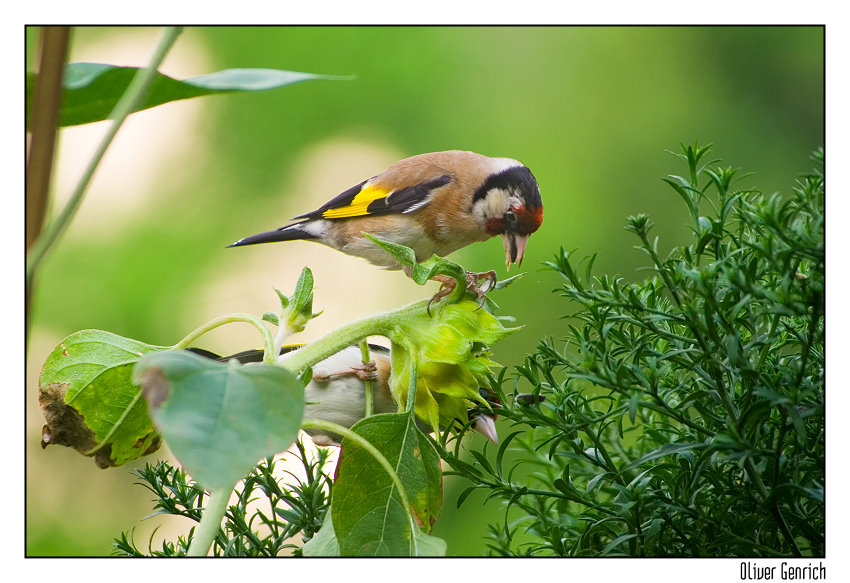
128	103
47	99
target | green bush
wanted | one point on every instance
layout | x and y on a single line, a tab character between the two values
294	507
683	416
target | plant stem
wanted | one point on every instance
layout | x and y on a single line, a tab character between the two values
44	114
210	522
772	504
367	384
46	101
373	451
128	103
410	407
334	341
269	356
283	332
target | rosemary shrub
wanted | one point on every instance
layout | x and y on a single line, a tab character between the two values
286	507
683	416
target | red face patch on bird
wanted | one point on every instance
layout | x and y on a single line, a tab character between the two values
521	220
494	226
518	223
529	220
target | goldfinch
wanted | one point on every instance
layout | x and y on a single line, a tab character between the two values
434	203
337	392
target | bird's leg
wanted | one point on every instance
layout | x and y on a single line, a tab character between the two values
449	284
472	280
367	372
488	279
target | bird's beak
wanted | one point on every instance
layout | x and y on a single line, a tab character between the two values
485	425
514	248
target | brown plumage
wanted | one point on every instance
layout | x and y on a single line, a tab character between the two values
433	203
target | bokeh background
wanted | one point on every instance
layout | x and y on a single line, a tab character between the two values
593	111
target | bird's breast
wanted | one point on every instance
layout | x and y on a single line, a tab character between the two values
402	230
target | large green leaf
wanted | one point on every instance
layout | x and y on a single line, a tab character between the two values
89	401
368	517
325	543
219	419
93	89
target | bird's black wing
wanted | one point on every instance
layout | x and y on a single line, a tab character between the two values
367	199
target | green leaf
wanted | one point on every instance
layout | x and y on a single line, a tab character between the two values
477	325
219	419
271	317
436	265
634	400
463	495
404	255
300	308
446	344
367	514
302	299
595	481
93	89
503	283
421	273
296	311
429	546
90	402
617	542
665	450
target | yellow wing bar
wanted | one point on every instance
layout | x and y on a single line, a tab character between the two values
359	205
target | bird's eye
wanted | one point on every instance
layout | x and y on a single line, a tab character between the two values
510	219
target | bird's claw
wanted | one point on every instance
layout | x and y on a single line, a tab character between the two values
367	372
489	282
449	284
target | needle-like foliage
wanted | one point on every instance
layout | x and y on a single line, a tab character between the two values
270	509
684	415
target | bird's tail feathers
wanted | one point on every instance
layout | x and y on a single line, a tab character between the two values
293	232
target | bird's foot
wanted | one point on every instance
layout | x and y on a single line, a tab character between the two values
367	372
488	279
447	286
489	282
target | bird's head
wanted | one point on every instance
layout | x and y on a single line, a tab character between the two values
508	203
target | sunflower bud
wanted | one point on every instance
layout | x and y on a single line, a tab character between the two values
450	353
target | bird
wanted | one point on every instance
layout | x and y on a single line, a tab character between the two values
336	391
433	203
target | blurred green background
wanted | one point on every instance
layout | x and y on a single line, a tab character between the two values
591	110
